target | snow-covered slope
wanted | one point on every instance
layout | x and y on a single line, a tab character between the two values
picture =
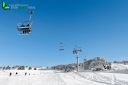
119	66
54	77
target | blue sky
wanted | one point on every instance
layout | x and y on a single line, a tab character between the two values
99	27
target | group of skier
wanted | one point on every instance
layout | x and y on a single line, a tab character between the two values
10	74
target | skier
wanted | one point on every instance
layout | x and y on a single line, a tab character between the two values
10	74
25	73
16	73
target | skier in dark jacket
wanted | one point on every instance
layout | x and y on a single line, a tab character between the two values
25	73
16	73
10	74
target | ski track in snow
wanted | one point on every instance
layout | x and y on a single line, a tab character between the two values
70	79
104	78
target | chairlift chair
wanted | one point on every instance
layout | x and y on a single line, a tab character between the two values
61	47
24	27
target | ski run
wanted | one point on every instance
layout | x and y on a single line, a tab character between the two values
118	76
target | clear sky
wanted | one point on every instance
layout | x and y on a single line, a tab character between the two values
99	27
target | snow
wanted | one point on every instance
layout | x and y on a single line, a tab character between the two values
118	76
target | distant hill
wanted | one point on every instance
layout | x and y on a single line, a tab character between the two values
91	64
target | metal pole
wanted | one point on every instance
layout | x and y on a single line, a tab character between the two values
77	63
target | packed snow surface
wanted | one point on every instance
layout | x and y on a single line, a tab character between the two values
118	76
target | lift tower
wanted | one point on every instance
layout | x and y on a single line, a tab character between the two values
76	51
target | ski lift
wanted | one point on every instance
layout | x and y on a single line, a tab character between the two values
25	27
61	47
